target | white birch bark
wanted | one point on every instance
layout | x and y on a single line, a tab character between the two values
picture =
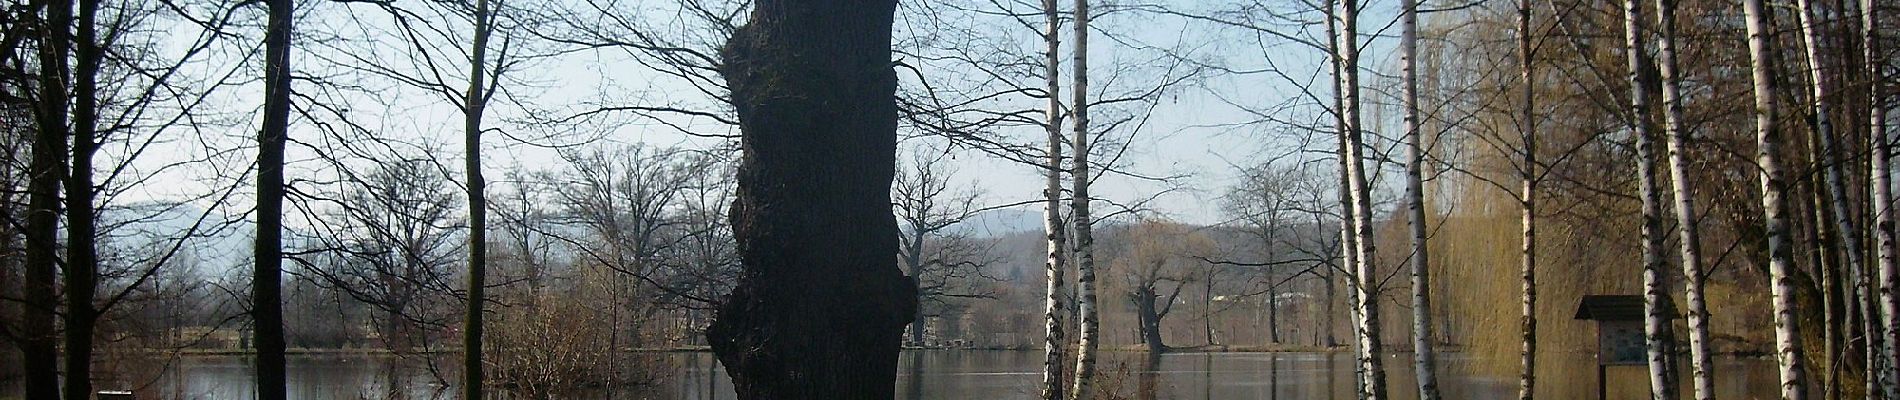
1373	383
1423	359
1084	238
1686	229
1527	273
1820	91
1882	199
1656	325
1057	261
1788	351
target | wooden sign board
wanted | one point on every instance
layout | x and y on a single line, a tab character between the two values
1620	343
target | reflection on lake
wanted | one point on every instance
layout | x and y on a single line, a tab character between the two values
986	375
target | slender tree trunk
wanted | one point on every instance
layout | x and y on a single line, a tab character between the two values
1820	93
1656	321
474	103
1814	223
1527	251
1053	230
818	312
82	258
1423	359
1083	219
1347	260
914	265
266	287
39	348
1273	316
1781	268
1686	217
1366	272
1881	170
1349	239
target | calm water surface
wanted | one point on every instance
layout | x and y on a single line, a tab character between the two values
984	375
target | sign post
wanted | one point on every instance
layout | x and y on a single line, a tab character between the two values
1620	338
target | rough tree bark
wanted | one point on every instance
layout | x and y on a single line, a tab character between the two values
474	102
39	349
1687	231
819	310
1656	321
1090	325
1422	355
82	257
1781	268
267	308
1052	227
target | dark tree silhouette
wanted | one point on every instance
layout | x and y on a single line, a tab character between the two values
820	305
267	309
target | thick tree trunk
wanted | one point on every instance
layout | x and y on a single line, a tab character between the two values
1149	316
38	345
819	309
1656	319
1423	359
1090	326
1781	268
474	103
1880	171
1527	249
267	308
1358	180
1055	234
1686	218
82	258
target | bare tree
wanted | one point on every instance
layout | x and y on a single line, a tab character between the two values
1687	230
1781	268
1656	312
41	354
1088	325
1423	359
943	263
1527	200
1055	234
268	254
393	243
1879	178
1371	351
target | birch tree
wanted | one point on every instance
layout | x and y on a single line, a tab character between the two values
1687	230
1358	190
1656	321
1781	268
1527	200
1089	322
1422	356
1882	197
1054	233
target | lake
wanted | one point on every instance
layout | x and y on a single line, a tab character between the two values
963	374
